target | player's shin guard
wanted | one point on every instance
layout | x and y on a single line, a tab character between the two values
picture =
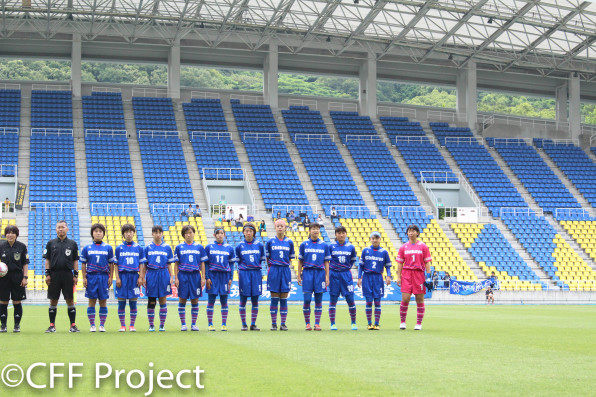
306	307
273	310
52	314
122	312
3	313
133	312
352	309
18	313
255	309
72	314
318	307
210	305
223	299
182	313
242	309
369	312
103	315
420	309
403	311
283	309
194	312
151	313
377	311
163	314
91	315
332	304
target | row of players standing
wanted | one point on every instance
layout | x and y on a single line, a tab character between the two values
320	266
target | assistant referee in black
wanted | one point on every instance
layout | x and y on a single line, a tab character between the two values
62	270
12	286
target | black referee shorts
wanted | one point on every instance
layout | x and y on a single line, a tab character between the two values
61	282
10	287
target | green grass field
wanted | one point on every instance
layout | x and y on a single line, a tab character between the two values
471	350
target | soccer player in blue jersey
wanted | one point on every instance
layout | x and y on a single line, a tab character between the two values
129	258
97	261
220	272
343	257
158	277
370	277
314	258
279	251
190	276
251	256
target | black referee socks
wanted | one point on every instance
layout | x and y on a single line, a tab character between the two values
18	313
3	313
52	312
72	314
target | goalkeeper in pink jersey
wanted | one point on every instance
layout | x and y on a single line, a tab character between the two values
413	272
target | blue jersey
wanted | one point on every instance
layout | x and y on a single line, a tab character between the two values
190	256
220	258
250	255
129	256
372	260
314	254
97	257
159	256
343	257
279	252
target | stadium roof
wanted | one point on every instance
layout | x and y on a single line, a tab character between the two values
544	38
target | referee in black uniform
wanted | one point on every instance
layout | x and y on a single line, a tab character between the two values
12	286
62	270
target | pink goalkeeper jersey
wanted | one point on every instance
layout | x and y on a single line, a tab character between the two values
414	256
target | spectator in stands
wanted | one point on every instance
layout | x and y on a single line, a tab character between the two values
435	279
495	280
291	217
240	221
230	218
334	214
306	222
6	205
294	226
278	216
197	211
489	296
447	279
189	211
262	226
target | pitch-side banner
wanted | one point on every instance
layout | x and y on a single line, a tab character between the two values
20	199
468	287
392	293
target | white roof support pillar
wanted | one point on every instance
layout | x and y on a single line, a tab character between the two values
367	97
465	84
270	78
174	71
75	65
574	106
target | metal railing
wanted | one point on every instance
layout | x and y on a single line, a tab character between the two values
561	142
6	168
313	137
51	131
522	121
51	87
158	134
52	205
134	207
9	130
414	139
521	211
150	92
285	209
438	177
512	141
210	134
106	89
571	212
403	210
364	138
395	112
464	140
249	99
360	210
269	136
225	174
445	115
204	95
9	86
342	107
311	103
178	208
99	132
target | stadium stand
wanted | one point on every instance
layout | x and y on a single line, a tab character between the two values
156	114
420	155
491	250
401	126
488	179
113	216
326	168
544	186
577	166
443	131
51	110
171	220
550	250
211	141
584	233
446	259
351	123
103	111
274	170
10	121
